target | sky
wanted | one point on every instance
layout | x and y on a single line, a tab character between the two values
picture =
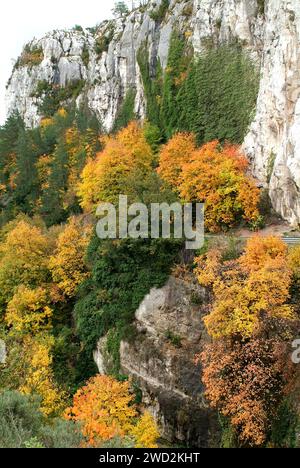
22	20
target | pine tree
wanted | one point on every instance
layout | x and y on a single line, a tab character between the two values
26	190
52	208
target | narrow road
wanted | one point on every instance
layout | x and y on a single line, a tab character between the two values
286	239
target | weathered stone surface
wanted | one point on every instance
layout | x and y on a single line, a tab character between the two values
273	143
164	369
109	75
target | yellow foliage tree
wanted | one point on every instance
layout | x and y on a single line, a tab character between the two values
28	311
23	259
39	377
260	250
104	178
242	298
67	264
145	432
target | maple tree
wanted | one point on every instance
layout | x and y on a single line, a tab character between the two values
216	176
105	408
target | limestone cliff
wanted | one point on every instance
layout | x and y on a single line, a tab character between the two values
105	61
168	333
273	143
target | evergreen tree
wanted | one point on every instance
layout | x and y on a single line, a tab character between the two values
175	75
26	190
9	134
52	208
217	98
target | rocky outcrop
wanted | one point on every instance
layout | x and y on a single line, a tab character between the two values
106	61
160	358
273	143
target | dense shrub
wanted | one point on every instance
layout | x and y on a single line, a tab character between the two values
30	57
160	13
126	111
123	273
22	425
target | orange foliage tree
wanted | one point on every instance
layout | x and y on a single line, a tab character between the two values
174	155
216	176
251	323
246	383
106	410
255	286
103	179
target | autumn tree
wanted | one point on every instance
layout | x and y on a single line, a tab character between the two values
38	378
145	432
242	298
28	312
103	179
23	258
174	155
106	410
246	383
216	176
104	406
261	250
252	324
67	265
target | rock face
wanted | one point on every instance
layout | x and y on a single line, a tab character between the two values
168	333
110	72
106	61
273	143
